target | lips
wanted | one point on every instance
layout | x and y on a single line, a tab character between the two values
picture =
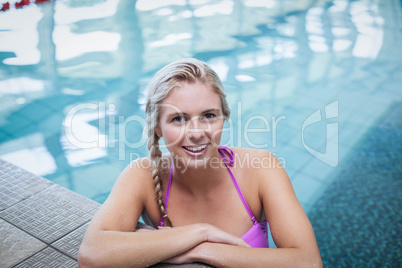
195	150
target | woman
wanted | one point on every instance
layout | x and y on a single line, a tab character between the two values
212	203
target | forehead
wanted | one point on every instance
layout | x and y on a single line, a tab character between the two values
191	98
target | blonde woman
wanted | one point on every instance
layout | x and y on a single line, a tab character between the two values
206	206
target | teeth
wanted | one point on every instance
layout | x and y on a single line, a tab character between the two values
196	149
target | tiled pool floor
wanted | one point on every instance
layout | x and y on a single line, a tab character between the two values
357	220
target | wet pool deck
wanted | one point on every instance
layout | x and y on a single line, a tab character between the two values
41	224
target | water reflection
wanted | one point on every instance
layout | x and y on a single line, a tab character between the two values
274	57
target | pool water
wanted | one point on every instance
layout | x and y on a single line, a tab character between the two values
307	80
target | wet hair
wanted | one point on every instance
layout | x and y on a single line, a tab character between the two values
168	78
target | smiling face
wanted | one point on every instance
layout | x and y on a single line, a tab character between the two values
191	123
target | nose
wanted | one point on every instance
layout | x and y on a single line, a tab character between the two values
195	130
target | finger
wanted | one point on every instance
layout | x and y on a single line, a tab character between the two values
163	227
215	235
143	230
234	240
240	242
244	244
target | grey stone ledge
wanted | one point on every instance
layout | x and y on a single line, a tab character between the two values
51	213
48	257
16	245
17	184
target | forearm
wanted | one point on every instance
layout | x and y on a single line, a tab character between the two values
137	249
223	255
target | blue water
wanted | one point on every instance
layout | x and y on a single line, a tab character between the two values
306	80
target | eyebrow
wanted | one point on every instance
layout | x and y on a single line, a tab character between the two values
203	112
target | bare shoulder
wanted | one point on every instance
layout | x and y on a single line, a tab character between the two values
140	170
251	151
256	159
127	199
264	168
137	177
137	172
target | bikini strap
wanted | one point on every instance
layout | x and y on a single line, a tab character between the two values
167	194
227	156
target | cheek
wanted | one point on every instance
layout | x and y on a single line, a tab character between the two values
216	130
173	135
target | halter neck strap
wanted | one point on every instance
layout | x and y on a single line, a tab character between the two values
167	194
228	156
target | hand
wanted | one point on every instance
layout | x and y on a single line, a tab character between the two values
143	230
215	235
186	257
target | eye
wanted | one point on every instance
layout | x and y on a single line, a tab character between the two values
178	119
209	116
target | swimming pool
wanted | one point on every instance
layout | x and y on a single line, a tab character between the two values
307	80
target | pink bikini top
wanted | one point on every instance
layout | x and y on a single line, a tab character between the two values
257	236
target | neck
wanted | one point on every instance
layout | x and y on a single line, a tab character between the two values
201	179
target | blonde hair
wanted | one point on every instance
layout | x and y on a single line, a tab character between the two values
170	77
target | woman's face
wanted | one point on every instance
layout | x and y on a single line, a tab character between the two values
191	123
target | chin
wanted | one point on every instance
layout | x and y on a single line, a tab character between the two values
183	161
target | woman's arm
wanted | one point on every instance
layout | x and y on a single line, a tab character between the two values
289	226
221	255
110	240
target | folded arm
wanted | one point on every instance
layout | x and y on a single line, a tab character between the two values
289	225
221	255
110	239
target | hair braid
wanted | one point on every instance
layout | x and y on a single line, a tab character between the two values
156	155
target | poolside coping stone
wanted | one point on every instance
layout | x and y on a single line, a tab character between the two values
48	257
16	184
70	243
51	213
16	245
